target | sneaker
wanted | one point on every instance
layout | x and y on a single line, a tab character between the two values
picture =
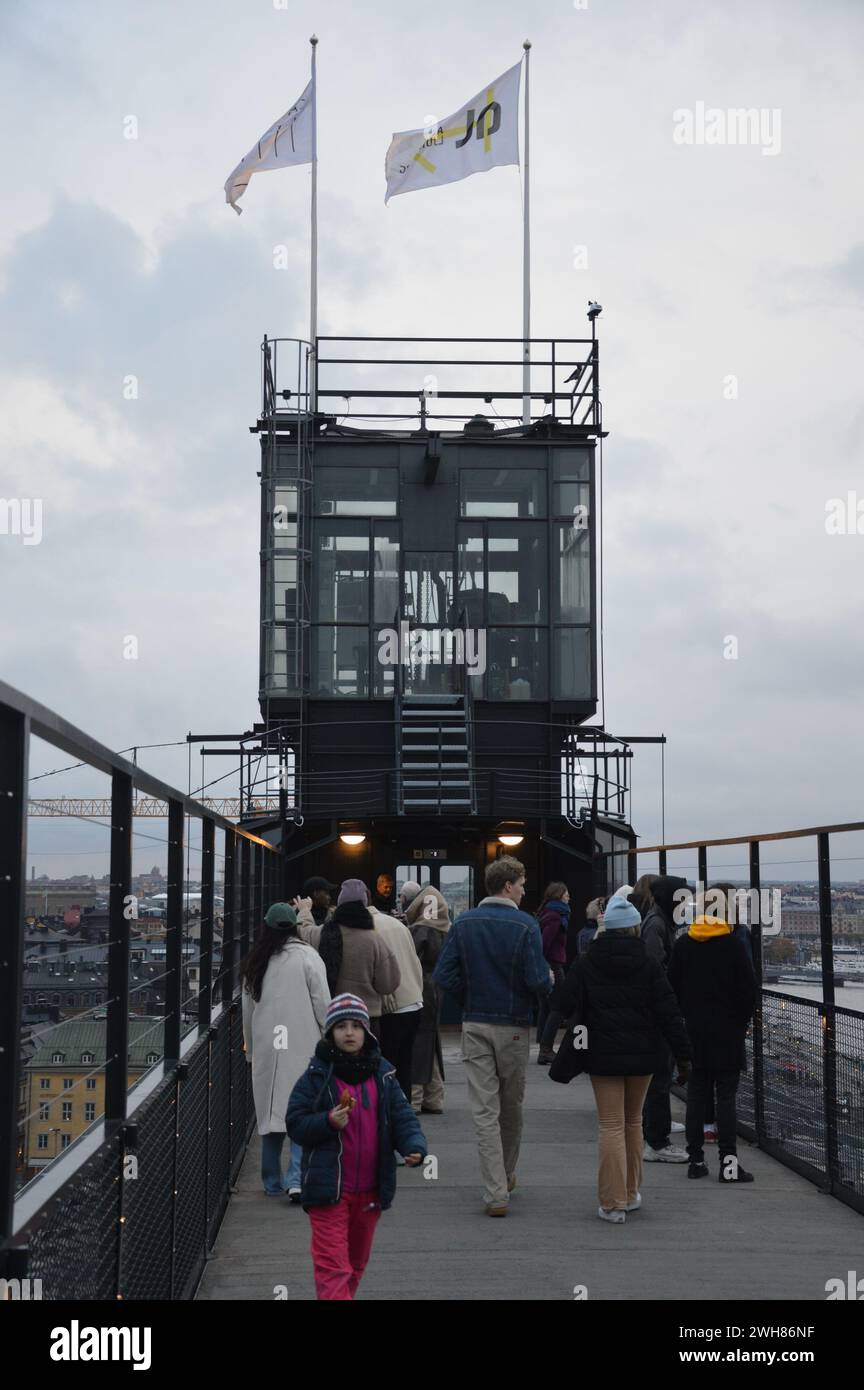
677	1127
635	1204
430	1110
616	1217
544	1057
710	1132
667	1155
697	1170
496	1209
741	1174
294	1195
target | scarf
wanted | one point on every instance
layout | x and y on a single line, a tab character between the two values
352	914
352	1070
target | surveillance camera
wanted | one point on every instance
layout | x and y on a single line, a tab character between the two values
594	309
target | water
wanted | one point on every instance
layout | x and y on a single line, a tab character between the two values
851	996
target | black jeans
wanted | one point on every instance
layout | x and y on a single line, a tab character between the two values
549	1020
396	1035
657	1111
698	1091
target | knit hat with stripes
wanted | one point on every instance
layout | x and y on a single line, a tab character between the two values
347	1006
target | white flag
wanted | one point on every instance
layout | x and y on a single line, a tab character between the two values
288	141
480	136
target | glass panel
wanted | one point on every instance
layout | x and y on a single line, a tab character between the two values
284	592
429	588
517	664
340	661
573	596
356	491
285	517
571	465
517	573
430	675
342	559
456	888
492	492
385	561
411	873
472	575
572	499
572	663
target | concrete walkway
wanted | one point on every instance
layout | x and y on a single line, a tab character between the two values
775	1238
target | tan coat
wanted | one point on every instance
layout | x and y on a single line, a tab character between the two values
369	968
401	943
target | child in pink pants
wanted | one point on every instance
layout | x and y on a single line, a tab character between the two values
350	1114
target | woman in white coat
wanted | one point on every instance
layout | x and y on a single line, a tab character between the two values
285	999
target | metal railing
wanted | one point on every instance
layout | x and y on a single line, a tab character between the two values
131	1208
366	379
802	1100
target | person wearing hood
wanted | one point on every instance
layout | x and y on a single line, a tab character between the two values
659	929
284	1005
351	1117
641	897
428	919
407	894
357	958
712	976
622	1008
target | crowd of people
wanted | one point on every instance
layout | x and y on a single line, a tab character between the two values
341	1018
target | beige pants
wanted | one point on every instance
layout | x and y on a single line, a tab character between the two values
619	1109
432	1094
496	1055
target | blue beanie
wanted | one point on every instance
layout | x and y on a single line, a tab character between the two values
620	913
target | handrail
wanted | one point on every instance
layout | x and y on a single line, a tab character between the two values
840	829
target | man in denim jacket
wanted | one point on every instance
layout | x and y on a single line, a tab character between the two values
494	966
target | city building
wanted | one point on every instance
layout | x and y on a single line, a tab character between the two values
64	1082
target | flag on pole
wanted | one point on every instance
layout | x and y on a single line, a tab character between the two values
288	141
483	134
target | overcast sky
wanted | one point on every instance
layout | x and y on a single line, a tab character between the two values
119	257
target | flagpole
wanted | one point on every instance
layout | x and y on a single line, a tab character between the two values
526	262
313	285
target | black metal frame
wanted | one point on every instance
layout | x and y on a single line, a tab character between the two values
51	1230
828	1173
583	400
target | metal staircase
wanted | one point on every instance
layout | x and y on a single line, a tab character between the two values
434	753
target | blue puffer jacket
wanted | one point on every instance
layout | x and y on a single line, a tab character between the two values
494	965
312	1099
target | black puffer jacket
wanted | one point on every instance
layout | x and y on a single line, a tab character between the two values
624	1000
658	926
716	988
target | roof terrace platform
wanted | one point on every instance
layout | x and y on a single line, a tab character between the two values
778	1238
